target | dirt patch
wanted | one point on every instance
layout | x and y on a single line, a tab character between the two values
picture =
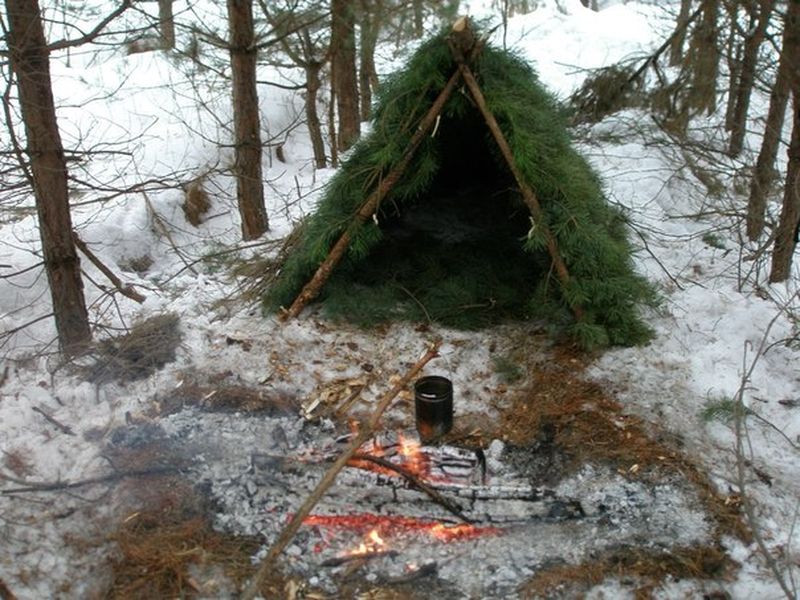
225	398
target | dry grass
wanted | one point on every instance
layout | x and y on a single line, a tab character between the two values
147	347
169	549
649	568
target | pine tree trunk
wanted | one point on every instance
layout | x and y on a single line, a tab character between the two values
747	76
733	56
787	231
343	64
679	39
367	75
765	165
166	24
31	64
246	121
704	56
313	84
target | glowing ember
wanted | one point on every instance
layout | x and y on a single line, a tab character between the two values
381	527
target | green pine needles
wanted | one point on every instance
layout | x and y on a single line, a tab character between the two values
453	241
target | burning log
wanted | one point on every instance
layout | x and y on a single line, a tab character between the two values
415	483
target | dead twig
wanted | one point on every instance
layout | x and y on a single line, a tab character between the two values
748	505
365	432
416	483
56	486
60	426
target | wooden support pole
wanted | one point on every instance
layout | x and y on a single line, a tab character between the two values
527	193
336	253
365	432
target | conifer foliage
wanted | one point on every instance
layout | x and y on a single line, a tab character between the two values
453	241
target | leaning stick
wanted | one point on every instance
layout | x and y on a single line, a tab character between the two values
527	193
366	431
323	273
125	290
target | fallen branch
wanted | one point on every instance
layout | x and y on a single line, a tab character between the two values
50	419
416	483
365	432
68	485
124	289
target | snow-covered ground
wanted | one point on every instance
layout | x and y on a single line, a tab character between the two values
712	328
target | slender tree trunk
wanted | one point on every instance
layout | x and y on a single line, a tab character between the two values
166	24
733	56
31	63
332	133
313	84
343	64
246	122
704	56
367	75
419	18
765	165
679	38
747	77
787	231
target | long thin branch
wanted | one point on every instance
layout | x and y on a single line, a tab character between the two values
55	486
366	431
85	39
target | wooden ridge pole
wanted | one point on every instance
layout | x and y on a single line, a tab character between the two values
527	193
365	432
336	253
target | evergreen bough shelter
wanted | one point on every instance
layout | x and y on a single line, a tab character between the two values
467	205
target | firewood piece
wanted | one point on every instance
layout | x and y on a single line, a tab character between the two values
366	431
527	193
338	561
416	483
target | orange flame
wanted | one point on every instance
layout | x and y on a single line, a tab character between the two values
373	543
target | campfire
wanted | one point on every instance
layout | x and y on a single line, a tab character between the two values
480	521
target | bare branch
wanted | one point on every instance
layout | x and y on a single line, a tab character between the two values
88	37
